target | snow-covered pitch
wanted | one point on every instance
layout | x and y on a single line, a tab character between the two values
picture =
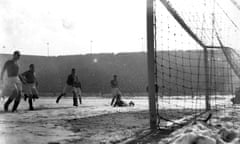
95	121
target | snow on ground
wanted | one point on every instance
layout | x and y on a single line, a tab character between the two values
223	128
95	121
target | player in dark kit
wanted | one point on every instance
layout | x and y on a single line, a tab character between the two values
30	84
12	85
69	86
115	89
121	103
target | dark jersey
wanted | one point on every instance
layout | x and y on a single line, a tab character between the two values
71	80
78	84
114	83
29	76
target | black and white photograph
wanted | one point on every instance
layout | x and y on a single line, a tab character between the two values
119	72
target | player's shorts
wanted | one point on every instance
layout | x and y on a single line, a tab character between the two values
67	88
78	91
10	84
116	91
30	89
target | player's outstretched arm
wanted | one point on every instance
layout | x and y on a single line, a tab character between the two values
3	70
22	78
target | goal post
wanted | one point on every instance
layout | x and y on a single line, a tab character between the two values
190	48
151	65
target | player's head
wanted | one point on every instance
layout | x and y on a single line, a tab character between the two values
31	67
73	70
16	55
115	76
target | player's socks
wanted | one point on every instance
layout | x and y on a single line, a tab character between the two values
10	99
75	100
25	97
112	101
7	104
58	98
80	99
16	102
30	104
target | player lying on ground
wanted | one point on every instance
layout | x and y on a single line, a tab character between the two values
119	102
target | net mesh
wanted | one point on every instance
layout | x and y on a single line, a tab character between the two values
185	73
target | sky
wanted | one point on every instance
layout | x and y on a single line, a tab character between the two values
72	27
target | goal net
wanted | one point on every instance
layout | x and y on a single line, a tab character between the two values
196	57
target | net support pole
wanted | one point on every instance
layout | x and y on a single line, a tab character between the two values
151	66
207	91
